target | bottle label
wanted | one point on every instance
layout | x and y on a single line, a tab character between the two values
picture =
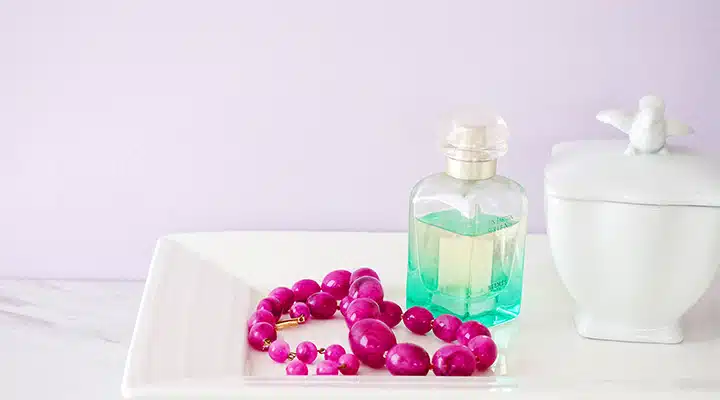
500	223
465	264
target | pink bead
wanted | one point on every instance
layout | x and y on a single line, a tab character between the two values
418	320
485	351
306	352
364	271
259	333
270	304
296	367
284	296
390	313
367	287
261	316
300	309
349	364
361	309
445	327
322	305
469	330
337	283
369	339
333	352
453	360
304	288
407	359
344	304
279	351
326	368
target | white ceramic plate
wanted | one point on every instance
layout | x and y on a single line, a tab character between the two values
190	335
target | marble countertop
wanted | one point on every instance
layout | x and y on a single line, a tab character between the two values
70	339
65	340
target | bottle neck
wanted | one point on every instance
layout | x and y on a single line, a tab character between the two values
471	170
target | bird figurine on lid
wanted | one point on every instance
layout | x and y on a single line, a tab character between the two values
647	129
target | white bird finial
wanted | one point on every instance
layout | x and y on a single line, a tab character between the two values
647	128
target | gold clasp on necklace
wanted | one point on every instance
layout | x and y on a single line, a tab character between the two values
288	323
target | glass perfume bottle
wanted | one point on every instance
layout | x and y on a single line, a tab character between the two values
467	229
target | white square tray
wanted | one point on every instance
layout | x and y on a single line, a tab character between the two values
190	336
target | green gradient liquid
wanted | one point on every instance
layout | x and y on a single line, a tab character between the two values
469	267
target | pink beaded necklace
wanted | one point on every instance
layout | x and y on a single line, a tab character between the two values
370	319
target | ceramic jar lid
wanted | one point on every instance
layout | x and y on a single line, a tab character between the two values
643	170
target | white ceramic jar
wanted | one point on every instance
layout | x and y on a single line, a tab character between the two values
634	227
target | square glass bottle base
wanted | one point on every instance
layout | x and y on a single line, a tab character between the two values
501	308
468	267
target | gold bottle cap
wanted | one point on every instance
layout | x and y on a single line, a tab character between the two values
475	140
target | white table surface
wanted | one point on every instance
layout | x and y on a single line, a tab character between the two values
69	340
65	340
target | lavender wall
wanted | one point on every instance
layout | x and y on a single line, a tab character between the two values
124	121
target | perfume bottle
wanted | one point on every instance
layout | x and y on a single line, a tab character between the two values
467	228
